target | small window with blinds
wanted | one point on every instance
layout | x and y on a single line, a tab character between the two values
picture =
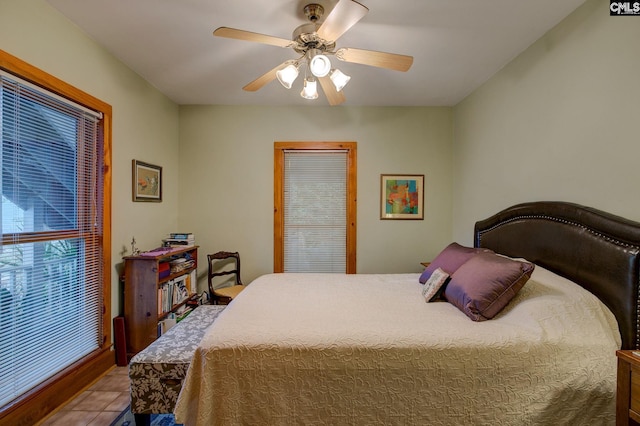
315	207
51	258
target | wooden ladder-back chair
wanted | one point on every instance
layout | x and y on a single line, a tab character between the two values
224	295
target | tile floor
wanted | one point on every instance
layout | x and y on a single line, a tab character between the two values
99	405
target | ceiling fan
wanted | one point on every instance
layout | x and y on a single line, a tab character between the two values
315	41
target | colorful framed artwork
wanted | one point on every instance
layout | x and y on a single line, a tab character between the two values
402	197
147	182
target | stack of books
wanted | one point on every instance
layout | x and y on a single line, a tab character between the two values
179	239
181	264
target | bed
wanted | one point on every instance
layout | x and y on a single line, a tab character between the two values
367	349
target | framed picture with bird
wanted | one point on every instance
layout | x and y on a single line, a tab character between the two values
147	182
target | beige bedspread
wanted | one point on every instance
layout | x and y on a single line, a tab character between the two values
332	349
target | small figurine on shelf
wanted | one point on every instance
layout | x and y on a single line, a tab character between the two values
134	250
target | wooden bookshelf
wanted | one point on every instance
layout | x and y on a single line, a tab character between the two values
152	292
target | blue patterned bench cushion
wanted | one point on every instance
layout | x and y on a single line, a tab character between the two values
156	373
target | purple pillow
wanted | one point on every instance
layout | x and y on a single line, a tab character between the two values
450	259
484	285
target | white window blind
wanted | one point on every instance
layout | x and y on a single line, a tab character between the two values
315	211
51	254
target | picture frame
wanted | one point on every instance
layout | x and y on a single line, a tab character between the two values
147	182
402	196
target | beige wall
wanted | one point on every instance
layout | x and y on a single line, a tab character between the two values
226	169
145	122
557	123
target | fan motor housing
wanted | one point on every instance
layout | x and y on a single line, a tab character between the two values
313	12
306	37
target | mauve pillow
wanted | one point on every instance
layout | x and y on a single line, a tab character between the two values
450	259
485	284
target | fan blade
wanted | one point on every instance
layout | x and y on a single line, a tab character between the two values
344	15
391	61
249	36
333	96
265	78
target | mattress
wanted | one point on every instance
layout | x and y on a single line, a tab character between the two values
367	349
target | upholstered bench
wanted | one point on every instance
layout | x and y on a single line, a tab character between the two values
156	373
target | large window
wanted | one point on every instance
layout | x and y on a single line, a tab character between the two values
53	274
315	190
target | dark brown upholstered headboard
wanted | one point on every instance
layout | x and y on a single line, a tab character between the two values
597	250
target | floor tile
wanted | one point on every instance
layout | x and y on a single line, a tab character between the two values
119	404
75	418
96	400
105	418
77	400
120	371
116	383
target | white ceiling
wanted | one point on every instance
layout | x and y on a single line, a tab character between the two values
456	44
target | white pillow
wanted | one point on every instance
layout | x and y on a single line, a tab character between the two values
432	288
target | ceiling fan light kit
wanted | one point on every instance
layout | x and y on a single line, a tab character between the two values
314	41
319	64
310	89
287	75
339	79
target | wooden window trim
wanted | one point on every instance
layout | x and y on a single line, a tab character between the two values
40	401
278	197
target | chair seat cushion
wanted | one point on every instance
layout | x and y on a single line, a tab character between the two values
230	292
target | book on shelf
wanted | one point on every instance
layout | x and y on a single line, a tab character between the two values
192	282
182	312
164	270
165	325
181	264
182	236
172	293
179	239
169	242
180	289
173	318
